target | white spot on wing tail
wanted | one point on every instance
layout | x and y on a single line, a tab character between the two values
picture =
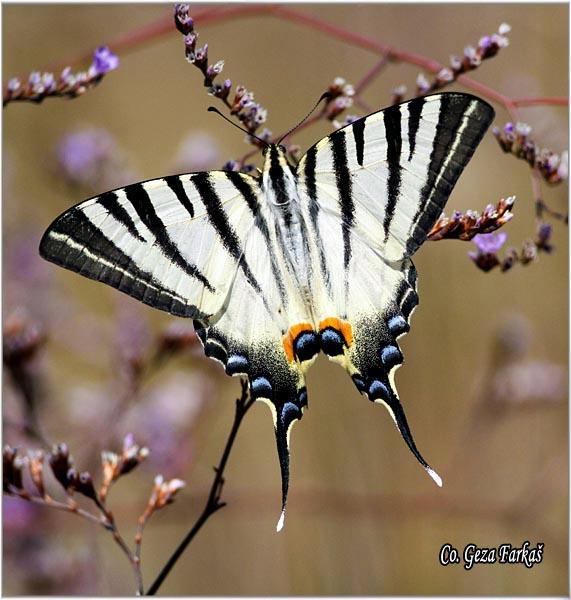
435	476
281	521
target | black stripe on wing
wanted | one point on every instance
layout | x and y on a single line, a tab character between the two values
359	137
462	122
344	189
75	243
219	220
414	114
138	196
175	184
311	187
392	120
110	203
245	189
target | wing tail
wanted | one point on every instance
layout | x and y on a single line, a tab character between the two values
385	393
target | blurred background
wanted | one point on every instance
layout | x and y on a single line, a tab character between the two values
485	379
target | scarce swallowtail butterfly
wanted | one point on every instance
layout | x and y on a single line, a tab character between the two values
302	259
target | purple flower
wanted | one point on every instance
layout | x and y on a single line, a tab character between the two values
19	516
199	151
485	42
80	154
490	243
14	84
104	60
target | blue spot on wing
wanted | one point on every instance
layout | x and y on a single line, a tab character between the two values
306	345
261	387
391	356
237	364
378	391
331	342
398	325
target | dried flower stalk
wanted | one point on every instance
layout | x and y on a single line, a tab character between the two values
464	226
40	86
72	481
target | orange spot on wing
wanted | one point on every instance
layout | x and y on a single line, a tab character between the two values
289	338
343	327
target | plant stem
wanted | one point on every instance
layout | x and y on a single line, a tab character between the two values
213	503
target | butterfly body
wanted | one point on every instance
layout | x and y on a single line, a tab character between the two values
307	258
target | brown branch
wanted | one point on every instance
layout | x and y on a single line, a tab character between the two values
213	503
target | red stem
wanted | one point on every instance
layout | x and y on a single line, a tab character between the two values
164	26
553	101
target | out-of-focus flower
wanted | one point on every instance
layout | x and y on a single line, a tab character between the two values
198	151
164	417
176	337
22	339
528	381
132	338
490	242
544	231
528	252
91	159
104	60
488	245
82	154
516	140
17	517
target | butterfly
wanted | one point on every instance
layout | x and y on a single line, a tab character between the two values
274	269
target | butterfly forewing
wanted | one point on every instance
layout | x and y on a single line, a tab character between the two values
173	243
388	176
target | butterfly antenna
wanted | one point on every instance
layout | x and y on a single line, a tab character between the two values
215	110
323	97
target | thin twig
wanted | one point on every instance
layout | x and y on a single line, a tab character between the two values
133	558
371	74
106	520
213	503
